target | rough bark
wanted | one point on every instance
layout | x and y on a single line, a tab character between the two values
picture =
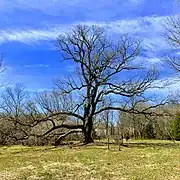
87	131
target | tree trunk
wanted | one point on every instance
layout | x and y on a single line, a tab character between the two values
88	127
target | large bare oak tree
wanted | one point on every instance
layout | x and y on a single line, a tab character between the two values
105	70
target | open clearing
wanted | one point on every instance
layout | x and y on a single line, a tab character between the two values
138	160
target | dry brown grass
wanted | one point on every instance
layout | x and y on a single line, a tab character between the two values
138	160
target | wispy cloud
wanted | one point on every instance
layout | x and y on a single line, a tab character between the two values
28	36
143	26
37	66
39	22
170	85
148	28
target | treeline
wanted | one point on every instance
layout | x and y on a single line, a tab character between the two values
142	127
22	121
21	117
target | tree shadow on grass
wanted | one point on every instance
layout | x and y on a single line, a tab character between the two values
32	150
153	145
100	145
127	145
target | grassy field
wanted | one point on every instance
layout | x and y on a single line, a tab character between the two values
137	160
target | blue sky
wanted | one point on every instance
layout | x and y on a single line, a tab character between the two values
28	31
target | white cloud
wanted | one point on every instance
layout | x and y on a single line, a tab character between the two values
148	61
154	60
37	66
27	36
136	2
144	26
170	85
148	28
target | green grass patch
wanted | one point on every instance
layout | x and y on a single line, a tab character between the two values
140	159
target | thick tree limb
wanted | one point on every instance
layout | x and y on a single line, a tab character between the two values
58	141
63	126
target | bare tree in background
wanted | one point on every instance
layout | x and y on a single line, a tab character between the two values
105	69
172	35
20	113
13	110
104	121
